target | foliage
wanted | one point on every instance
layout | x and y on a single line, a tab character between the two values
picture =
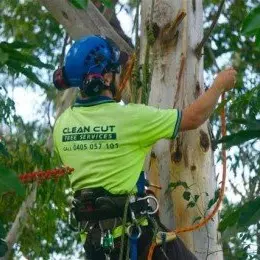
252	132
251	25
9	182
242	216
19	61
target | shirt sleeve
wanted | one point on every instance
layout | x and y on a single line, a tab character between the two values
156	124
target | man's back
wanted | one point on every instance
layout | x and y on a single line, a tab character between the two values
107	142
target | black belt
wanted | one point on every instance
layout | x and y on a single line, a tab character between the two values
98	204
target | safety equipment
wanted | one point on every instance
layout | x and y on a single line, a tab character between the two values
59	79
93	54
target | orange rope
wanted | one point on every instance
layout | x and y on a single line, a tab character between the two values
122	85
151	250
221	194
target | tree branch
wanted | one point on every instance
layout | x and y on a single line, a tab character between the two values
200	46
65	43
79	22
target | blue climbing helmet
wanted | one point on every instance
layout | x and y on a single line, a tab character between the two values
91	55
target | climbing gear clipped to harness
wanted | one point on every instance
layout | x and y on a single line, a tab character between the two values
95	208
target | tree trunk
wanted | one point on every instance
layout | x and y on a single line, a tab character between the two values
177	80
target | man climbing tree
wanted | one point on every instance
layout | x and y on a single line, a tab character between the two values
106	142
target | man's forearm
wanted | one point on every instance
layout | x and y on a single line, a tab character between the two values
200	110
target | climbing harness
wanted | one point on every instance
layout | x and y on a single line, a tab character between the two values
97	211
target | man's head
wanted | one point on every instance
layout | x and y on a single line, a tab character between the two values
91	64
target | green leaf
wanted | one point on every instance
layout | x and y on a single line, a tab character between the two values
252	22
173	185
80	4
3	248
10	182
28	59
186	195
196	197
27	72
243	216
249	213
239	138
196	219
252	124
107	3
18	45
2	230
228	221
214	200
222	105
3	149
257	39
191	204
4	57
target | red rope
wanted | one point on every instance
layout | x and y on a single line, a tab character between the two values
122	85
45	175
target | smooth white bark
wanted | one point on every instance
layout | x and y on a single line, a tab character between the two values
176	81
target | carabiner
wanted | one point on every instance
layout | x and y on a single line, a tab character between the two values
156	203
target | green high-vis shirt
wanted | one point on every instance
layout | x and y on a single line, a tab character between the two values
107	142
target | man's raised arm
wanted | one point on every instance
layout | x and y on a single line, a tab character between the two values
200	110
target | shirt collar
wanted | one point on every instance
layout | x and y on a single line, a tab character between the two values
93	101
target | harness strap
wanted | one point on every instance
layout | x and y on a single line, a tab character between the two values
141	183
133	247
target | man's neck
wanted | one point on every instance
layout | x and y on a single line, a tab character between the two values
105	93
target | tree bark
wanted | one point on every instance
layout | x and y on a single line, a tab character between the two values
79	22
177	80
